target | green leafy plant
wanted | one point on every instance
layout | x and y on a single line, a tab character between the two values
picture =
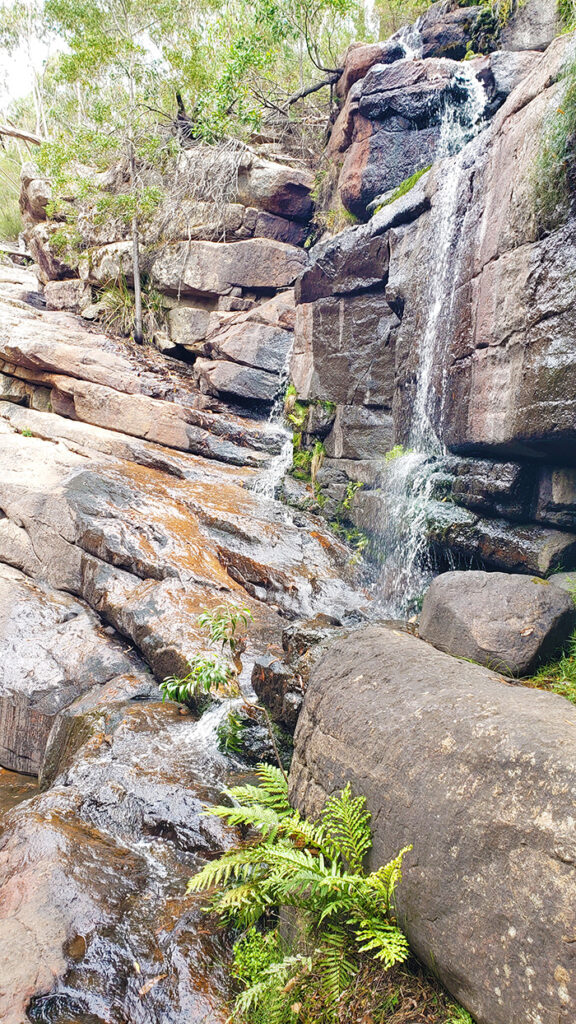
26	432
317	868
119	314
207	674
224	622
396	453
403	188
229	733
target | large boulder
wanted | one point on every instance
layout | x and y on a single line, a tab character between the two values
216	268
478	776
532	26
507	622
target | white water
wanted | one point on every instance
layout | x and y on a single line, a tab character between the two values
410	39
409	480
271	477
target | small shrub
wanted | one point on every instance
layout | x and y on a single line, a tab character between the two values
26	432
119	315
224	622
317	869
207	674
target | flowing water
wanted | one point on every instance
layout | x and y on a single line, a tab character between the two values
410	39
411	479
270	479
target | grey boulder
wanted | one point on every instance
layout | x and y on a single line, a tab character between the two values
509	622
479	776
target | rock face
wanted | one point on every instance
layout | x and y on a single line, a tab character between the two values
509	623
475	304
479	777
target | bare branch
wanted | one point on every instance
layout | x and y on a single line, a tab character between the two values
19	133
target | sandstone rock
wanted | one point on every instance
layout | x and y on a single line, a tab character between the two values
267	225
495	488
35	194
532	27
107	264
52	265
509	623
215	268
52	651
446	29
188	325
565	580
478	776
353	261
360	433
68	294
277	188
556	502
498	544
252	344
244	382
344	350
360	57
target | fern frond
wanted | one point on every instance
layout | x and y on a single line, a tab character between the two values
347	825
263	819
385	881
273	782
338	966
383	941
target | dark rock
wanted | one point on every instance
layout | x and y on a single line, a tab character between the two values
360	433
556	502
344	350
478	775
257	345
279	688
355	260
497	544
222	377
509	623
495	488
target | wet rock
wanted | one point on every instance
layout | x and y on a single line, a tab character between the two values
397	127
214	268
360	433
498	544
509	623
360	57
478	776
94	871
53	649
556	502
447	29
495	488
71	294
344	350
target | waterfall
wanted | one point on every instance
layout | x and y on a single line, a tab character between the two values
410	39
410	480
269	480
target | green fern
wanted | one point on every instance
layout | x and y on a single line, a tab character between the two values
318	869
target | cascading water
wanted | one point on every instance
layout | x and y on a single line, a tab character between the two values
411	480
270	479
410	39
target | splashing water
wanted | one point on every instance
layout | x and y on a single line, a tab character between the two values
410	481
410	39
270	479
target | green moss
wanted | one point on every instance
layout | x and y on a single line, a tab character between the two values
551	170
396	453
403	188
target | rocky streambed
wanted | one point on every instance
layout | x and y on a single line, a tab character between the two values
112	542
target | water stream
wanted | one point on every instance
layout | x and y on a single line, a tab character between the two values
270	479
410	480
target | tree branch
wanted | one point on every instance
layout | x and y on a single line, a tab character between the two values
18	133
331	80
